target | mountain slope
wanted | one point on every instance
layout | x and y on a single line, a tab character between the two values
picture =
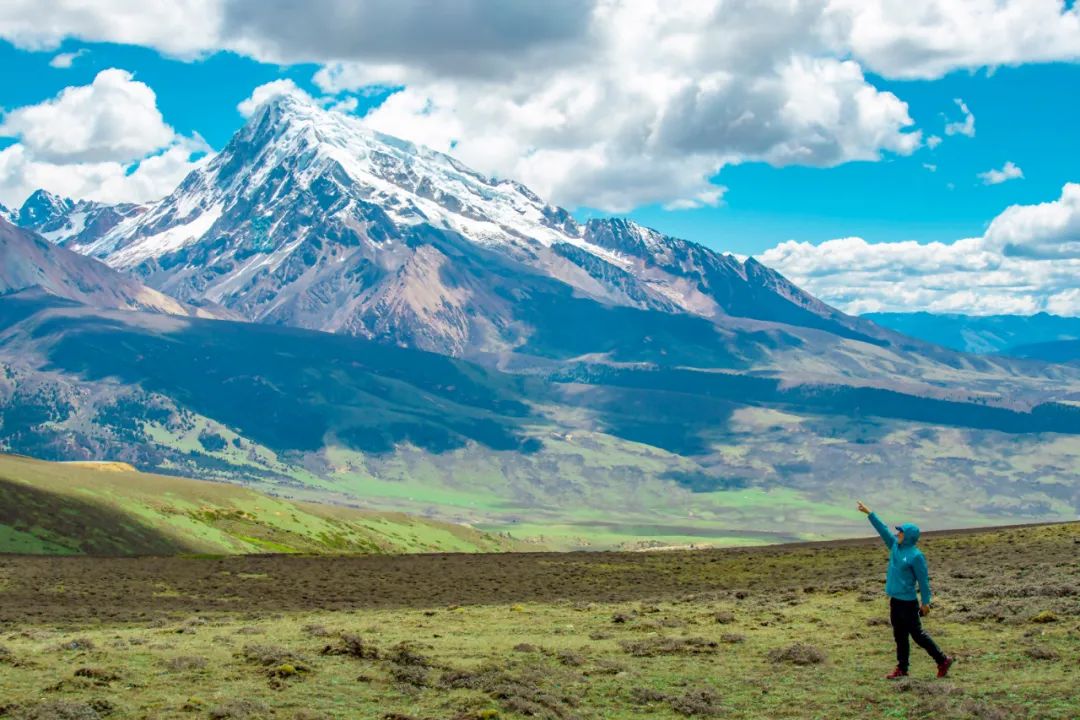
307	218
594	454
981	334
1056	351
112	509
31	262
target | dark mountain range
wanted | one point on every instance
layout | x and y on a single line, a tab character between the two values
603	451
1055	351
984	334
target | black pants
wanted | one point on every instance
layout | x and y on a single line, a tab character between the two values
905	621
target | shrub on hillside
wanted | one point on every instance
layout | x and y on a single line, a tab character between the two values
797	654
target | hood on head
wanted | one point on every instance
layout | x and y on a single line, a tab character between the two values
911	534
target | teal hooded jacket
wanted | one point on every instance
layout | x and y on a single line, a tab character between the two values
907	564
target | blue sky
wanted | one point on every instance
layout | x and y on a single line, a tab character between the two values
1022	115
811	133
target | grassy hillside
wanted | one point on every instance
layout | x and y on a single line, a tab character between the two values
797	632
112	509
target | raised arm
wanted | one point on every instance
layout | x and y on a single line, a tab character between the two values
922	574
882	528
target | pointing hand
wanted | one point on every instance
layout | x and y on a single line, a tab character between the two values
863	508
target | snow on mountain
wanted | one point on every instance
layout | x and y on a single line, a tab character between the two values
43	207
63	221
309	218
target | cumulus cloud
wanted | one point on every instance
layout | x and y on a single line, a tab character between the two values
464	37
1027	261
114	118
184	28
893	38
607	103
151	178
666	96
926	39
104	141
1066	302
1009	171
962	127
1049	230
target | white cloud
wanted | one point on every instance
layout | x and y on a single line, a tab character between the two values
338	76
666	97
962	127
933	141
115	118
104	141
893	38
112	182
184	28
1027	261
345	105
268	91
1066	302
927	39
63	61
1009	171
611	103
276	88
1049	230
930	167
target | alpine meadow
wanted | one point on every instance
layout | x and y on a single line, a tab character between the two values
482	359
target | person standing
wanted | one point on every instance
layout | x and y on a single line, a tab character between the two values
907	567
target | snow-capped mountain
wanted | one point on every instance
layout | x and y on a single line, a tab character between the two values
65	221
42	208
309	218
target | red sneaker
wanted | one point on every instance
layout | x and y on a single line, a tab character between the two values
943	668
896	674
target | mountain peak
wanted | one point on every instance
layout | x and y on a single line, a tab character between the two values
308	217
284	109
41	207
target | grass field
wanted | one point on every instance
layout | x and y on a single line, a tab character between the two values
112	509
796	631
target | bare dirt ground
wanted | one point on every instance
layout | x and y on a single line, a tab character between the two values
79	589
